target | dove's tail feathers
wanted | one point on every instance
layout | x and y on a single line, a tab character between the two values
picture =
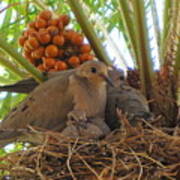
8	136
23	86
21	135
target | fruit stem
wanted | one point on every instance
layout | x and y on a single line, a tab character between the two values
29	67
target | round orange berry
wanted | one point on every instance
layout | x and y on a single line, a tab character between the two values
60	65
68	34
58	40
86	57
22	40
30	32
44	37
41	67
31	25
65	19
51	51
26	47
40	23
85	48
38	53
74	61
49	62
46	14
32	43
27	54
53	22
53	30
60	26
77	39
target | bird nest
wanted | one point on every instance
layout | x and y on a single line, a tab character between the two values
141	152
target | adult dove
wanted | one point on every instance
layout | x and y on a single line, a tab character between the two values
74	101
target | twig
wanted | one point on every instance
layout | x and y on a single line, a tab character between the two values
70	153
89	167
139	162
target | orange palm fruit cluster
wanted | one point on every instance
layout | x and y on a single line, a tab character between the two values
50	46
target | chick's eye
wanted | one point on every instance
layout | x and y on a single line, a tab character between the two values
93	70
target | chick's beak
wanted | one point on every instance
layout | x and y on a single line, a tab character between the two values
107	79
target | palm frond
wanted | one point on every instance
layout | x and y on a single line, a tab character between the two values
143	50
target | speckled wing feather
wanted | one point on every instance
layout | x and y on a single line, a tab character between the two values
46	107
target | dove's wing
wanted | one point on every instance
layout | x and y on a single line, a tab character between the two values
45	107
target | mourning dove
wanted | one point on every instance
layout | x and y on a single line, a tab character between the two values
129	100
74	101
122	96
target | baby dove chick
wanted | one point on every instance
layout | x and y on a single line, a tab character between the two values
124	97
75	100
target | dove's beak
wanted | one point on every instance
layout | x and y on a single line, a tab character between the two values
107	79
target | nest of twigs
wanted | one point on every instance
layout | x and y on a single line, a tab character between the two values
141	152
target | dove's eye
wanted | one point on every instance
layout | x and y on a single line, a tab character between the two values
93	70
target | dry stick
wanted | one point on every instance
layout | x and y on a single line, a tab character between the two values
113	163
70	153
123	163
89	167
139	162
39	157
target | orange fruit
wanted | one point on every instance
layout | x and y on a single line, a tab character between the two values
26	47
60	65
53	30
38	53
41	67
32	43
77	39
22	40
40	23
30	32
60	53
68	34
27	54
64	19
74	61
49	62
58	40
53	22
85	48
46	14
51	51
60	25
86	57
31	25
44	37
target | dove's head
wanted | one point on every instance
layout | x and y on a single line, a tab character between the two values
95	72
